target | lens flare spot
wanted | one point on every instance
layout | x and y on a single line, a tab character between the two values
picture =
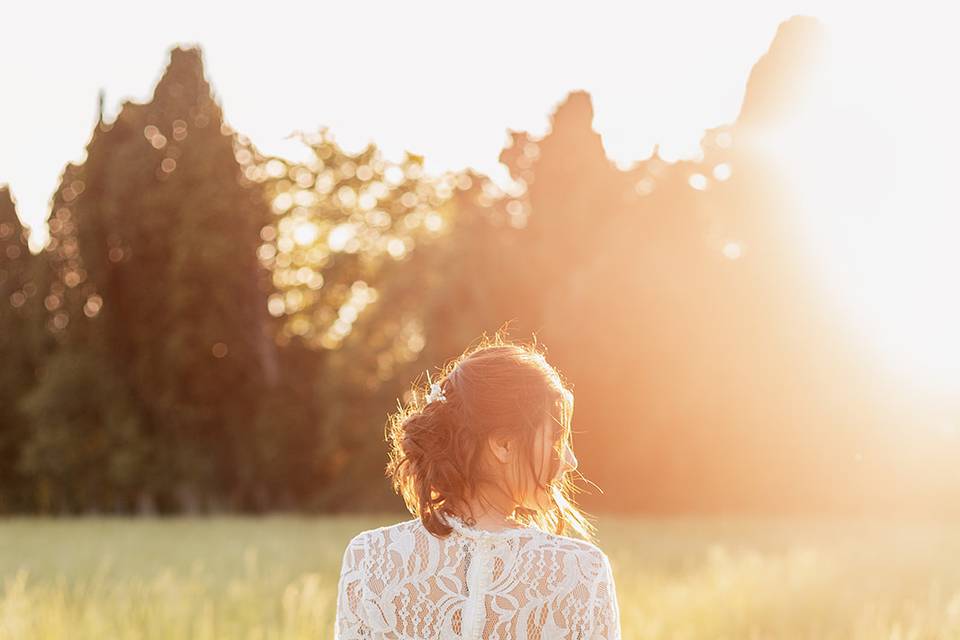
698	181
722	171
732	250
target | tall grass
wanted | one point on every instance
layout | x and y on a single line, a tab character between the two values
678	579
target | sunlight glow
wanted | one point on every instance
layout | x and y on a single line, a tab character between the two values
875	178
305	233
732	250
340	235
878	213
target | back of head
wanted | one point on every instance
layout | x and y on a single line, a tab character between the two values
439	441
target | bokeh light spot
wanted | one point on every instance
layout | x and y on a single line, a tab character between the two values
732	250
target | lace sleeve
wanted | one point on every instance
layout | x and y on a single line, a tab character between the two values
349	623
606	613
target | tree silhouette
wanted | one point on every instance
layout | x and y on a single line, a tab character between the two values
154	238
210	327
21	344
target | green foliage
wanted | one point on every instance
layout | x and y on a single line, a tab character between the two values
153	251
87	446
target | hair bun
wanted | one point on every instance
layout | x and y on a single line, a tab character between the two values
425	461
436	438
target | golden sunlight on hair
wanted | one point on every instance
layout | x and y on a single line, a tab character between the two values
437	438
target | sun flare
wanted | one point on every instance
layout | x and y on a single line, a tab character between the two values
876	216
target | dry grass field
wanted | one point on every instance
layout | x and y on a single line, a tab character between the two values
678	579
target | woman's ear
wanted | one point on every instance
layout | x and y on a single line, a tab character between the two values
501	447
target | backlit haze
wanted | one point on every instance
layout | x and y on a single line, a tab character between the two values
881	231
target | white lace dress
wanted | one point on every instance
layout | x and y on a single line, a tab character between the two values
403	583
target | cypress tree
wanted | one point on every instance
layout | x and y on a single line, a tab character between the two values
19	303
155	255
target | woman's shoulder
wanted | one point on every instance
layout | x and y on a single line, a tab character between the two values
583	562
530	538
366	538
571	545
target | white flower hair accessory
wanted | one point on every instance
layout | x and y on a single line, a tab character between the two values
436	393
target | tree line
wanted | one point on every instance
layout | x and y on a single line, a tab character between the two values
210	328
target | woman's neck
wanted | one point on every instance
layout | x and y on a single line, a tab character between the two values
490	515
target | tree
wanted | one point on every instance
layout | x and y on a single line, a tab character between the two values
20	307
343	253
154	241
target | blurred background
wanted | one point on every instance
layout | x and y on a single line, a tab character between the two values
732	227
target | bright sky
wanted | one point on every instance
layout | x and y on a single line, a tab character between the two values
447	79
442	81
